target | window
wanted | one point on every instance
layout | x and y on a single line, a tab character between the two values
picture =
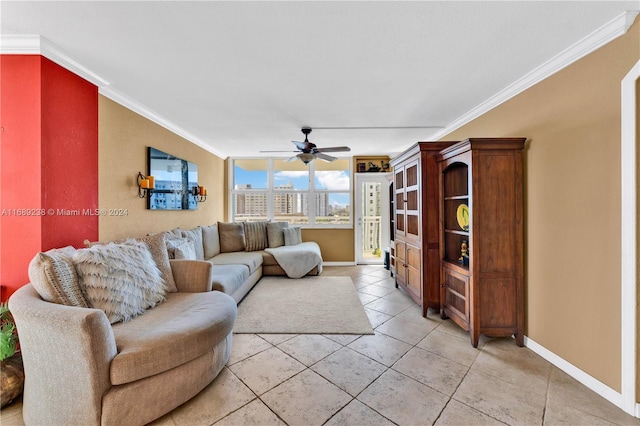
313	195
249	197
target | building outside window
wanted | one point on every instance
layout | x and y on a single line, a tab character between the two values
313	195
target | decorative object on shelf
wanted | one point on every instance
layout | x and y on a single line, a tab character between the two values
464	253
361	167
373	167
199	193
385	166
145	185
462	214
11	369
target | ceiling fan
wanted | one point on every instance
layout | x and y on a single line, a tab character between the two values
309	151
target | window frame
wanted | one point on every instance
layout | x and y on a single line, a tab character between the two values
270	192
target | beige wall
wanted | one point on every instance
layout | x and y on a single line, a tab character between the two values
336	245
122	143
572	204
637	241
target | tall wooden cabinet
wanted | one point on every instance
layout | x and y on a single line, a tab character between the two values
481	236
416	255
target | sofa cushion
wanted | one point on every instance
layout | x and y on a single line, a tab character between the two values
228	278
275	234
120	279
231	237
171	245
252	259
186	250
268	259
174	233
186	326
55	278
255	235
292	236
211	241
157	247
195	235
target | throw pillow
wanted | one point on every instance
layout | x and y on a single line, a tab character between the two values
172	244
54	277
275	235
292	236
255	235
211	241
120	279
186	250
174	233
158	249
195	235
231	237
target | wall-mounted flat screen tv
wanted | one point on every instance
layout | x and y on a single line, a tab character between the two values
173	179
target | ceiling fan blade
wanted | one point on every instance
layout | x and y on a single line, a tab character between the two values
324	156
277	151
292	159
301	145
334	149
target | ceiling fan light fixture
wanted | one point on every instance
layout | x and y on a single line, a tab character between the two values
309	151
306	157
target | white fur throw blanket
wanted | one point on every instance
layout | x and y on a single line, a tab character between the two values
297	260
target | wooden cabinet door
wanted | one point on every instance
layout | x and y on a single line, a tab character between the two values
455	296
412	201
414	270
399	204
401	261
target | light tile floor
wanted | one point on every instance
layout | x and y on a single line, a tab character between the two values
413	371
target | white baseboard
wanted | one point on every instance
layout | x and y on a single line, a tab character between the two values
338	263
589	381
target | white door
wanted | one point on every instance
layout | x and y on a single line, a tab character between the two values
371	217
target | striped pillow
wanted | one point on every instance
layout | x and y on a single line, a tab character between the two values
54	276
255	235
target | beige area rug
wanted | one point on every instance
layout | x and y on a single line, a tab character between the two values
309	305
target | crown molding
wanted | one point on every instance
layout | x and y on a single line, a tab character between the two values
18	44
36	44
140	109
15	44
603	35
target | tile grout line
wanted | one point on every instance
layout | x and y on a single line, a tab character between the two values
546	396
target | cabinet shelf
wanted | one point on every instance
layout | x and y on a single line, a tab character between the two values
456	266
457	232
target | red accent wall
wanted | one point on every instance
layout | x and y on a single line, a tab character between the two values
48	160
69	159
20	235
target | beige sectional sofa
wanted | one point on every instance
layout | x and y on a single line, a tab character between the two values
243	252
120	333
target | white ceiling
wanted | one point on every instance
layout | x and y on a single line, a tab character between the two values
239	77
